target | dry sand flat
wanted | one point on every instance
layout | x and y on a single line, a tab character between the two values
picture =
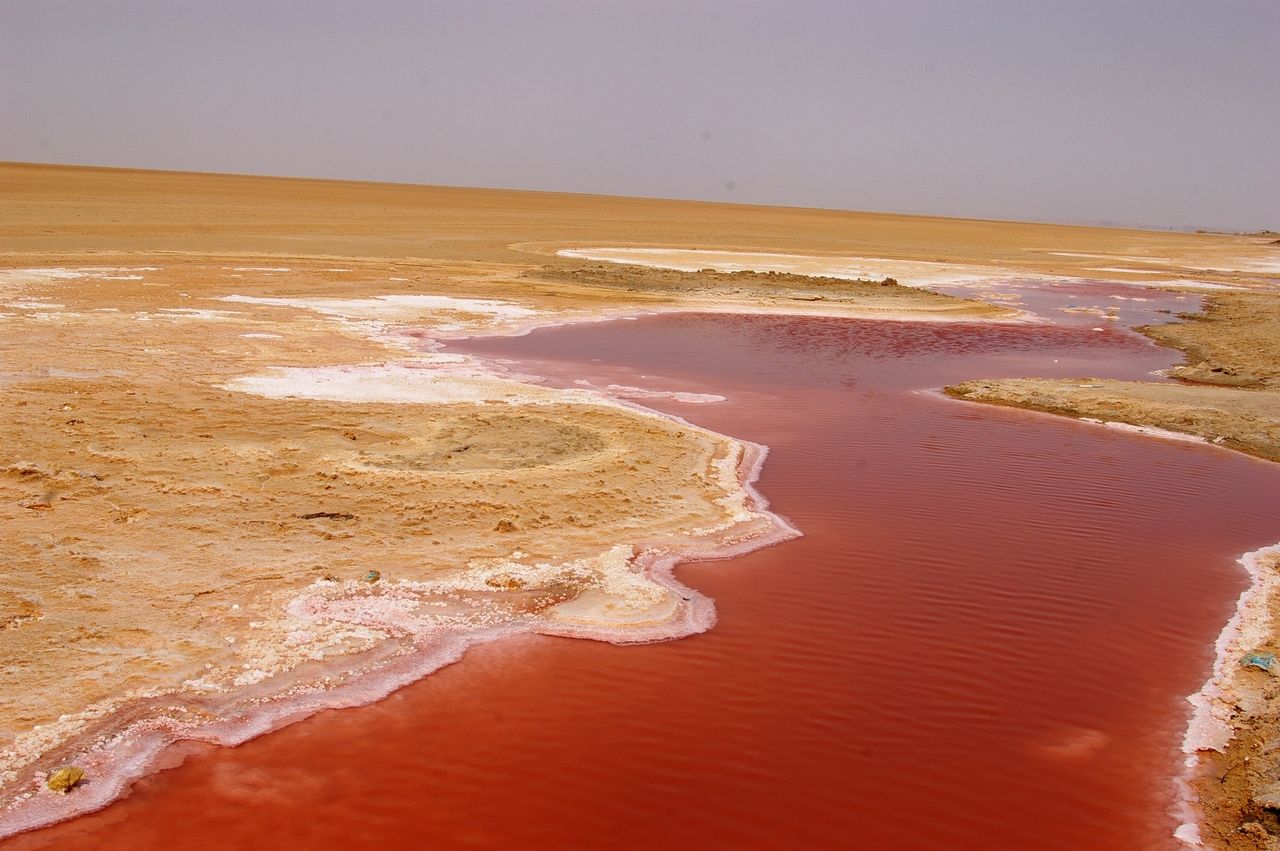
225	410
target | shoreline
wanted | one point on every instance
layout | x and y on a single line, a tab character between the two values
1265	584
1214	718
392	245
385	675
131	752
1229	698
118	754
1188	827
1224	427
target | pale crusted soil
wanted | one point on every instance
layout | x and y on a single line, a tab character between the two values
1235	341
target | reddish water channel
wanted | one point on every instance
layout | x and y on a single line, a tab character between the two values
982	641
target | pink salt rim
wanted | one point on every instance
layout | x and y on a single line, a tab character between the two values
116	757
1207	730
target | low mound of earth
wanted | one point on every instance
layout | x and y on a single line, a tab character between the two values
774	288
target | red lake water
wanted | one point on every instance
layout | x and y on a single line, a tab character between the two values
983	639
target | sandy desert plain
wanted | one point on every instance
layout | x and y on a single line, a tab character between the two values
240	482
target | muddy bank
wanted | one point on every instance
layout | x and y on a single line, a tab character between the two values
1242	420
1228	388
1233	342
1235	787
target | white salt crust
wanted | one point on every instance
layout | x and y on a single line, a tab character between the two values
1149	431
1215	704
45	275
912	273
1243	264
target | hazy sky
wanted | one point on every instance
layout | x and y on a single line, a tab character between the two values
1160	113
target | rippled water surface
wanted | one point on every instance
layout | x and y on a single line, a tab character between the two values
982	641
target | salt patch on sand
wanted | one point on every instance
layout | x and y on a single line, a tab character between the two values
394	306
1128	271
256	336
1184	285
439	379
426	381
1243	265
33	304
47	274
626	391
194	313
1149	431
1125	257
33	276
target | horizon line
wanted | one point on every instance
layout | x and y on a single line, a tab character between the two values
1107	224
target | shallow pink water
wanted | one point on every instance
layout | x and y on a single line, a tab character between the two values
982	641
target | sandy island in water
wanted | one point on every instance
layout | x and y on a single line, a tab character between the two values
226	407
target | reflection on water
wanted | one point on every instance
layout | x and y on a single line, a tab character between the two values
982	641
